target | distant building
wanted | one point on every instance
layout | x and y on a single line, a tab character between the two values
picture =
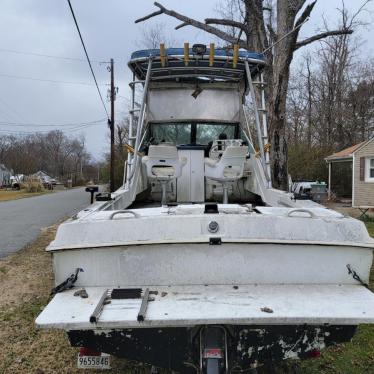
351	174
45	179
5	175
43	176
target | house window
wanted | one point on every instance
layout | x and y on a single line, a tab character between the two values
369	169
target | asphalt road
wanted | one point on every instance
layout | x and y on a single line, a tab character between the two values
21	220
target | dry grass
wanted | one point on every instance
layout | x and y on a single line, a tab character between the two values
26	279
14	195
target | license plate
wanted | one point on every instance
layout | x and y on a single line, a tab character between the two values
94	362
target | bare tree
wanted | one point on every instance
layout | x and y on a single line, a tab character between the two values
257	32
53	152
155	34
121	138
78	156
330	102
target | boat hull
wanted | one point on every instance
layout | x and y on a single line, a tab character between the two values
201	263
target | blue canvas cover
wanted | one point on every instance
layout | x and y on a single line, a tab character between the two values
220	52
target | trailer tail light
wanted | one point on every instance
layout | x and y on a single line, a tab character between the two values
314	353
84	351
213	353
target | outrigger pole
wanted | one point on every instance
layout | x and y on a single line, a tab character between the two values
133	166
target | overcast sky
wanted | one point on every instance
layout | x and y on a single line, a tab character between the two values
46	27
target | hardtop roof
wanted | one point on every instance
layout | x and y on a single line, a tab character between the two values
218	52
197	66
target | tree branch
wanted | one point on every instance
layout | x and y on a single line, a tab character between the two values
273	34
149	16
306	13
181	25
300	21
225	22
323	35
299	4
189	21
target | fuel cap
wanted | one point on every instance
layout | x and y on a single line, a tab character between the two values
213	226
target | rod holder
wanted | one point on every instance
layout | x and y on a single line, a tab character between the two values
235	56
211	54
162	54
186	53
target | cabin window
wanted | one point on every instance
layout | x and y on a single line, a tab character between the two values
369	174
206	132
172	133
192	133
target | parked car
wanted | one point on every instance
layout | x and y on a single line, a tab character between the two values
310	190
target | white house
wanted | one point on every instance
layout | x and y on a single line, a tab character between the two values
5	175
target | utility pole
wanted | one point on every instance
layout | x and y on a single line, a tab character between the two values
111	124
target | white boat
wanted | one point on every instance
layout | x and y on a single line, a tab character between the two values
196	263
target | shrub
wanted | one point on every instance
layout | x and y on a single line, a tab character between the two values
32	185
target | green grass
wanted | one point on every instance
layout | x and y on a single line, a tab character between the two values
370	227
356	357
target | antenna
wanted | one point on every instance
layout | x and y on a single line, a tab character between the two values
285	36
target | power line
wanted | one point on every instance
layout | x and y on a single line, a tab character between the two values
43	55
76	128
88	59
44	80
26	132
23	124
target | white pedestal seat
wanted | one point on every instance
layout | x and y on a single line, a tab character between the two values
229	168
163	165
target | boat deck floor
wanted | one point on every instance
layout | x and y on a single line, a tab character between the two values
145	204
157	204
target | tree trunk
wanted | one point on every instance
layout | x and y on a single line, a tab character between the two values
278	86
277	133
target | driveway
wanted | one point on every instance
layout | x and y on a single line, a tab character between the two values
21	220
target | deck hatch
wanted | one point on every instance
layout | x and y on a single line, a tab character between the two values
126	293
211	209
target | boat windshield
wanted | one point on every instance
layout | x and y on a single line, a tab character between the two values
192	133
